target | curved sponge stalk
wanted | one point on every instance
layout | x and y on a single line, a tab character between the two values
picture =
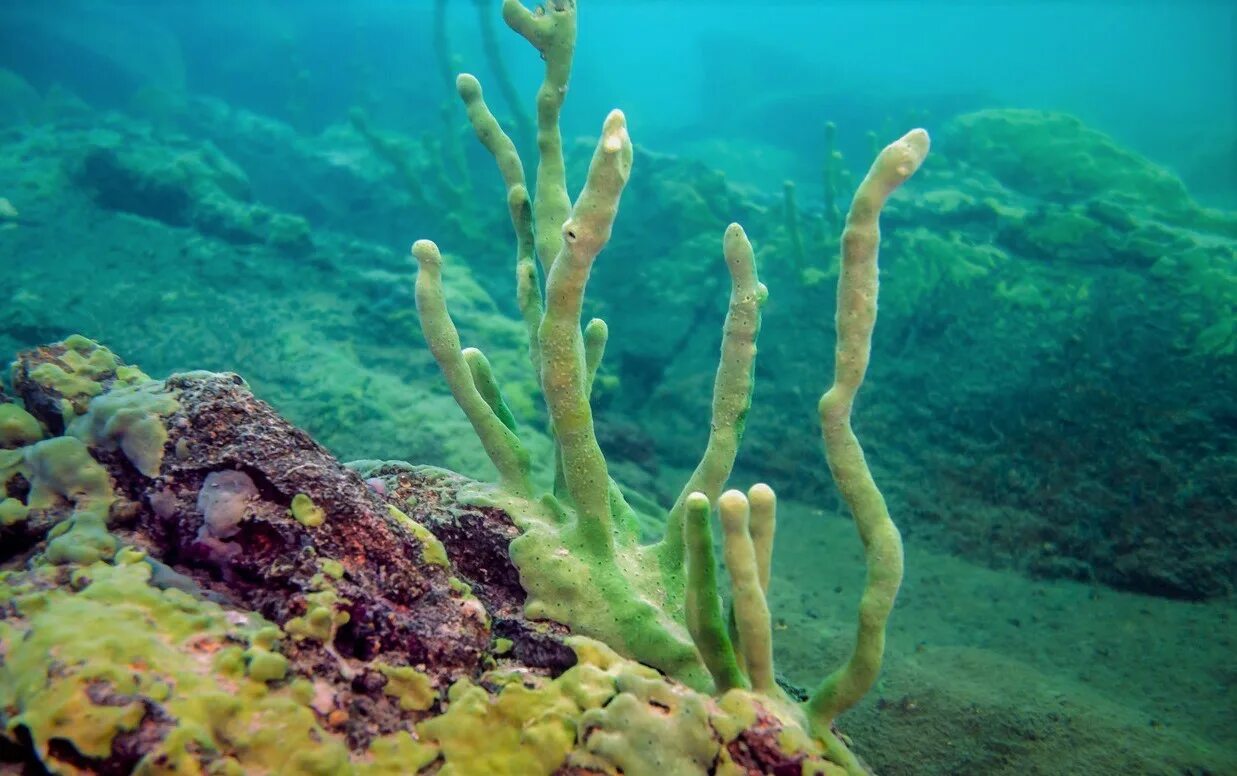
856	317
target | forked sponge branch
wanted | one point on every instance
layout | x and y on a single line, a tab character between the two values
579	551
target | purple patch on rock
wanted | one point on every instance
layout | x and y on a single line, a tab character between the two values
223	500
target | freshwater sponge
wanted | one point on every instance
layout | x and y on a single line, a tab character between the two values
129	418
579	553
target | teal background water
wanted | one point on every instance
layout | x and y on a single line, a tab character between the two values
1158	76
1049	409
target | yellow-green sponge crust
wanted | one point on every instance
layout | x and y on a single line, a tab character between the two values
83	667
413	689
18	427
61	471
607	714
306	512
96	652
78	372
129	418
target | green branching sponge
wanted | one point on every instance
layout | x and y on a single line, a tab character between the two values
579	553
748	521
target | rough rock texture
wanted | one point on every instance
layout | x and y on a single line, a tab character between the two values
476	539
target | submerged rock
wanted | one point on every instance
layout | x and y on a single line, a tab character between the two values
191	620
197	186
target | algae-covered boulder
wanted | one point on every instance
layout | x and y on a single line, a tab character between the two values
1056	156
190	584
194	186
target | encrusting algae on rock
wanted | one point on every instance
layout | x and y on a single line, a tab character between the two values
113	656
306	512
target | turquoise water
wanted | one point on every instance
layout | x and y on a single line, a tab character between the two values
1049	408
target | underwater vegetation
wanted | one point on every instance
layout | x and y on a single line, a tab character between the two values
192	582
165	694
580	556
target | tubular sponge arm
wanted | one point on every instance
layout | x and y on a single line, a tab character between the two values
564	370
500	442
856	318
